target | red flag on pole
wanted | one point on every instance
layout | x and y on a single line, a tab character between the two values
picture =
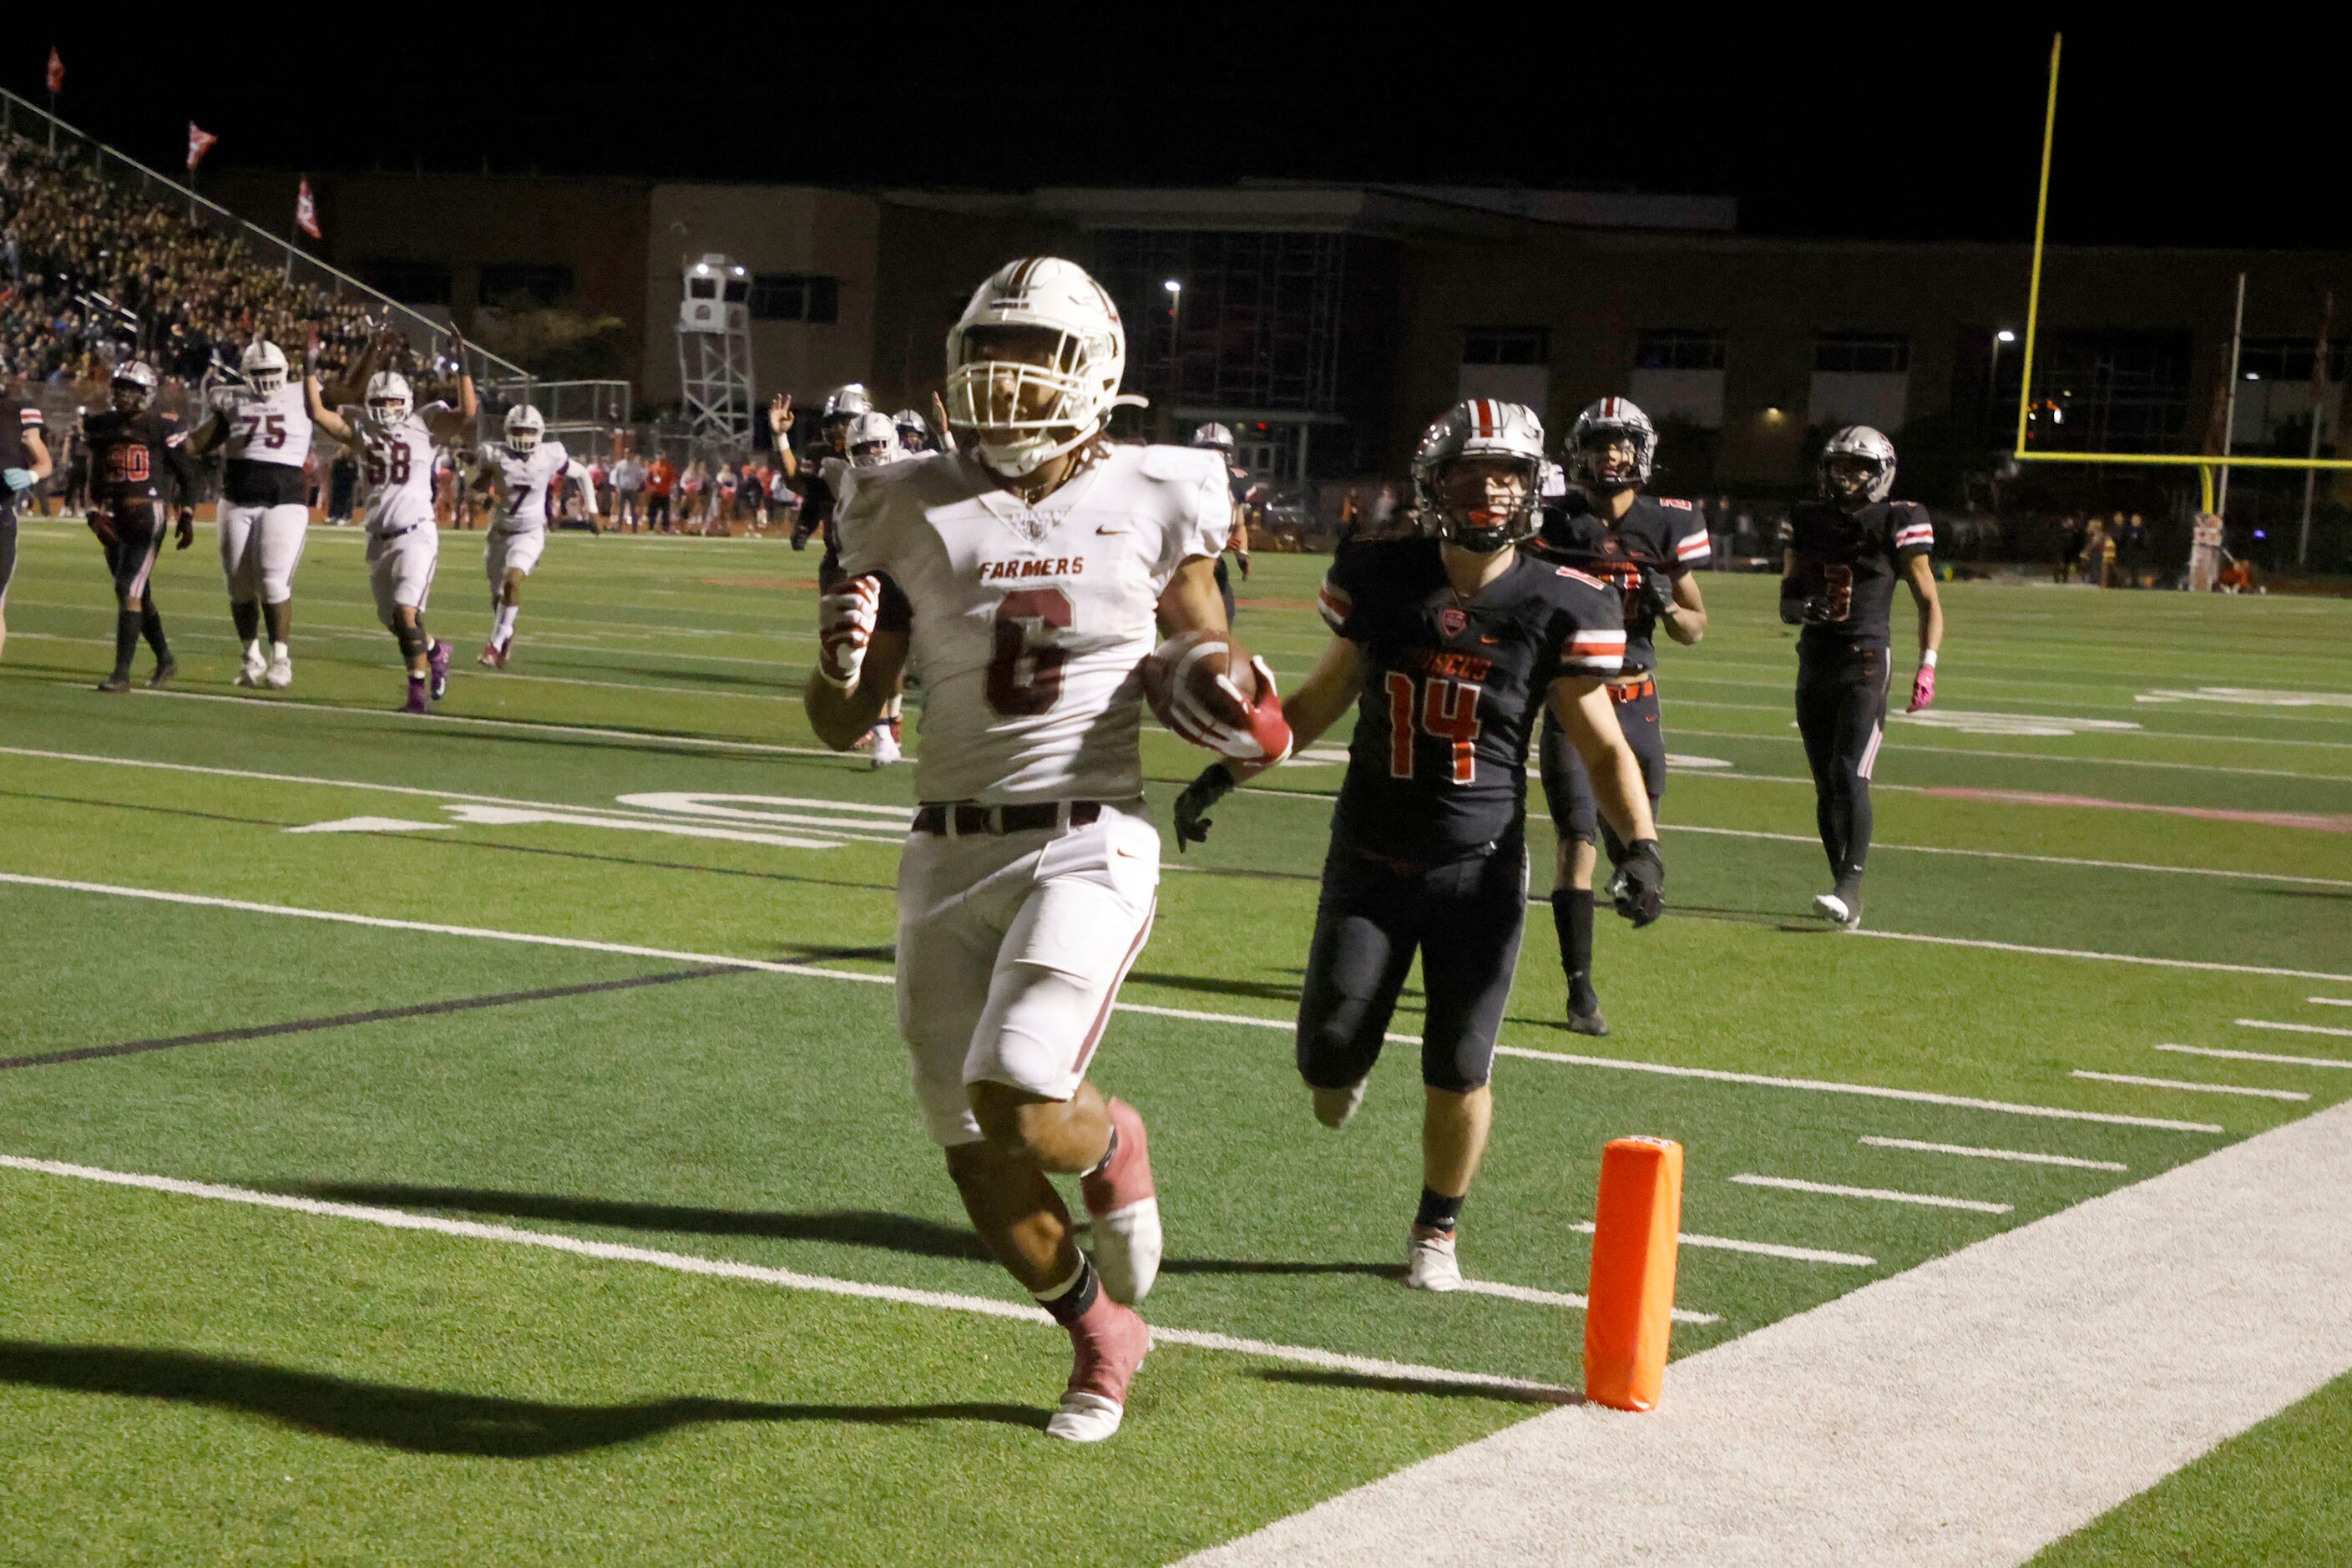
56	72
200	142
306	212
2319	376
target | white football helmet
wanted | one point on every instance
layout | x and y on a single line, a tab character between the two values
134	385
1214	436
263	364
914	430
524	427
389	401
846	401
1866	445
1025	413
1479	427
1610	418
873	441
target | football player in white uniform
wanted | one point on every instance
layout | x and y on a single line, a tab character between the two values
528	475
871	441
265	511
1023	580
396	439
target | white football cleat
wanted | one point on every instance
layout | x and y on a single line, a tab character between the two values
1429	1261
280	673
1838	913
1085	1418
886	748
250	672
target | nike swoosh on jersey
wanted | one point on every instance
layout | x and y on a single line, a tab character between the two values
1099	529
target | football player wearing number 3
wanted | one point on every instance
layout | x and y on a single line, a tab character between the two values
1029	572
396	439
1837	581
1454	642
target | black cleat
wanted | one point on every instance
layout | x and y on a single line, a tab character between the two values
114	685
163	673
1842	909
1585	1012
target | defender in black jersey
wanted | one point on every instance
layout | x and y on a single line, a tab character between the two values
1845	552
1453	644
131	448
24	464
812	473
1645	547
1216	437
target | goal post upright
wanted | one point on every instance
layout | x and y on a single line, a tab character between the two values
2041	219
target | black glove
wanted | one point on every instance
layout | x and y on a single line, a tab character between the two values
1657	594
1215	782
1798	611
1641	882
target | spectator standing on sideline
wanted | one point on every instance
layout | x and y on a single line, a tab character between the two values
661	479
342	485
628	492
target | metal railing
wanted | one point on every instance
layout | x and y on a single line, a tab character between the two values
427	336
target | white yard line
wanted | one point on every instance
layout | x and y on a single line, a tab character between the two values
2020	1155
812	972
2329	1001
725	1269
2088	761
1761	1248
2237	1088
2292	1028
2196	963
1566	1298
1876	1194
1812	841
2144	1326
1873	1092
2258	1057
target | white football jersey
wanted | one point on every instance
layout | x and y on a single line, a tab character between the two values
524	479
396	467
1029	622
272	429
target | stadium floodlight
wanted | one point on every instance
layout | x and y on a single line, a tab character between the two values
714	352
2004	336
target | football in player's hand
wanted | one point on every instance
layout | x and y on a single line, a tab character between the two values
1206	689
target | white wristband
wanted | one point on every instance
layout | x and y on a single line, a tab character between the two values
838	684
1928	660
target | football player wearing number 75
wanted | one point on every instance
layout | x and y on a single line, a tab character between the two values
1022	577
1454	641
1837	581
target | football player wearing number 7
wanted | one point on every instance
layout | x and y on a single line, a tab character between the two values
1837	581
1023	578
396	439
1455	643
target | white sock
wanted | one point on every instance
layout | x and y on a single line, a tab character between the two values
277	650
253	651
507	614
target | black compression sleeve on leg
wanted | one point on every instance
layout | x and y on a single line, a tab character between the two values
246	616
126	640
151	624
1572	916
412	639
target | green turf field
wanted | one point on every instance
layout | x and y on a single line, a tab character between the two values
612	980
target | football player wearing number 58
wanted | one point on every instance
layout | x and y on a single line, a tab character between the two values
1846	549
1456	642
1022	578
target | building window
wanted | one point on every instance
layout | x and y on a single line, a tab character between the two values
410	282
1872	354
795	297
2288	359
540	284
1506	345
1679	348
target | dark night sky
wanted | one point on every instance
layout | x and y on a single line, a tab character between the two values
1817	127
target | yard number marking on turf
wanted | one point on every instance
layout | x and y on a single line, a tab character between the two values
1877	1195
790	1280
2193	1088
2020	1155
2258	1057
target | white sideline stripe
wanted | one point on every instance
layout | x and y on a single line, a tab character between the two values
1529	1293
2140	958
2150	1323
724	1269
2020	1155
811	972
2292	1028
1877	1195
2329	1001
641	737
1761	1249
2193	1088
1873	1091
2259	1056
2019	855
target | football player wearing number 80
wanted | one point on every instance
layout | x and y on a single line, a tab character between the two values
265	511
1846	551
396	439
1032	565
1454	642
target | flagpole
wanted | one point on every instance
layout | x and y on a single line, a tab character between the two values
2319	401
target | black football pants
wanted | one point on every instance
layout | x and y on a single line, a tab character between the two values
1841	714
1567	789
1464	917
138	529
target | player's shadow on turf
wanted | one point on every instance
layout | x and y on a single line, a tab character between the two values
1269	990
424	1420
1426	1386
851	1228
1276	1266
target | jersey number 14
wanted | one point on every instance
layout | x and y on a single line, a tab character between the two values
1445	709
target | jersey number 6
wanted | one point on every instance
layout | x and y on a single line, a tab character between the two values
1024	675
1448	711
